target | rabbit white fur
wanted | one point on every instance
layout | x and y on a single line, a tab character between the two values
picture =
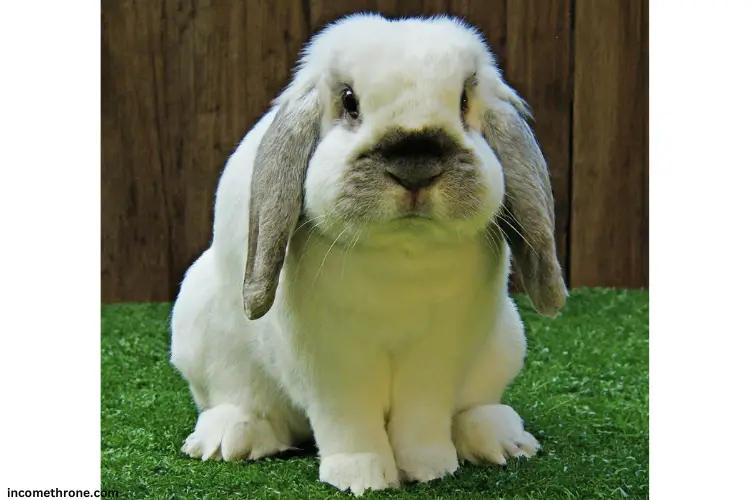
389	338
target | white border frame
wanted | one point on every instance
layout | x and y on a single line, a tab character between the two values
50	220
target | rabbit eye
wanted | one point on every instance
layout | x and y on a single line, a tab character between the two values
349	102
464	102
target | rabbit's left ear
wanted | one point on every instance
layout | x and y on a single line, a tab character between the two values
528	215
276	196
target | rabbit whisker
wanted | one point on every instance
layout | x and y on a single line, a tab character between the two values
518	233
329	251
308	221
349	247
320	222
495	245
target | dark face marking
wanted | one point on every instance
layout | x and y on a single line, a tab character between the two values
415	160
430	142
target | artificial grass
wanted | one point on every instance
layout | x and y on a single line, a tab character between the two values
583	393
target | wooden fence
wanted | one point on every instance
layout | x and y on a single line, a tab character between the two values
183	80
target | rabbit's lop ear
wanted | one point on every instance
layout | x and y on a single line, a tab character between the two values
527	217
276	196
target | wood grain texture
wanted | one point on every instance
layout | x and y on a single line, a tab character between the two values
610	114
323	12
202	111
183	81
645	148
538	66
490	17
135	256
228	60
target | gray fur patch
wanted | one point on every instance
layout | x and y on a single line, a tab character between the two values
276	192
528	217
411	155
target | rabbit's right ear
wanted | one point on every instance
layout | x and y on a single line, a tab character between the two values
528	214
276	196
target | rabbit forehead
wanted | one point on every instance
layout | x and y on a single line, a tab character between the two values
371	52
407	73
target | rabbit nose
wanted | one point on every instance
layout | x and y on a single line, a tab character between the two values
420	144
413	181
415	158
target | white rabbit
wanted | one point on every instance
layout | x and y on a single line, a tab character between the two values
356	286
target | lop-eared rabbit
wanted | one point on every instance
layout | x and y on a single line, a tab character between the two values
356	288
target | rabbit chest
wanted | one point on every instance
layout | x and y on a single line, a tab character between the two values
396	293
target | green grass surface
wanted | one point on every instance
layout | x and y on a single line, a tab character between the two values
583	393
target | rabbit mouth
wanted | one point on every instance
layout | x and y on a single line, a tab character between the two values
416	215
415	208
411	221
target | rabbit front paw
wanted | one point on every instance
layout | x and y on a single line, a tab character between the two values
426	463
492	434
359	472
224	432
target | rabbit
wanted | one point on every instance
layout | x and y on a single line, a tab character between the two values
356	287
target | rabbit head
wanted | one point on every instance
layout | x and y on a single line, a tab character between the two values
401	126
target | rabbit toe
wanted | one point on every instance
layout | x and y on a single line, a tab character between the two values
226	433
492	434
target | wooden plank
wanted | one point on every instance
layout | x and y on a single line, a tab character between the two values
609	142
204	114
199	109
404	8
490	18
276	32
224	62
538	67
135	236
645	225
323	12
183	81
